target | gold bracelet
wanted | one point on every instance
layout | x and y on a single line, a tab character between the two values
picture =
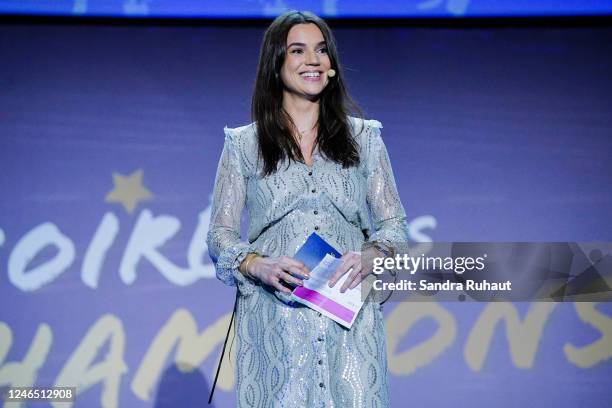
249	258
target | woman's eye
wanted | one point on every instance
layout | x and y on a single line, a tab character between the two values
323	50
296	51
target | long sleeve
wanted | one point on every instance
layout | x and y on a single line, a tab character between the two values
383	199
225	247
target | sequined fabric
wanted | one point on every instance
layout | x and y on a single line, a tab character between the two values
287	354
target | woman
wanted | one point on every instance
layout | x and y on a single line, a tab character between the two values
303	166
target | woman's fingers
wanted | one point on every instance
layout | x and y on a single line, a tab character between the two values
354	276
295	271
358	279
276	278
349	260
296	274
342	269
279	286
294	267
288	270
287	277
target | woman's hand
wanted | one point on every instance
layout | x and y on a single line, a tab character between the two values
352	264
276	272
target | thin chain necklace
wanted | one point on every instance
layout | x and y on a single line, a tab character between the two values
302	133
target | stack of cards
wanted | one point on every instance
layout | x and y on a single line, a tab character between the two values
322	260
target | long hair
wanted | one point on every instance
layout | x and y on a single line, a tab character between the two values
275	128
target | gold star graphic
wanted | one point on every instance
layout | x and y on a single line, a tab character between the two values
128	190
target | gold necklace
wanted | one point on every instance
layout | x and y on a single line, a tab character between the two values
301	133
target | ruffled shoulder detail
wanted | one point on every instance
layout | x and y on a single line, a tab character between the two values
367	133
374	123
240	133
358	123
242	141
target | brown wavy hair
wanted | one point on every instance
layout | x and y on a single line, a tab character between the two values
274	125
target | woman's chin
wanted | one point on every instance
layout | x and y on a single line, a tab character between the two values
312	94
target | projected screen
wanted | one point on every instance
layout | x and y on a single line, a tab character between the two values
326	8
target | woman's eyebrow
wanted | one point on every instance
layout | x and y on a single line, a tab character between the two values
299	44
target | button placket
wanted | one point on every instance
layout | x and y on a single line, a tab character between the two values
321	376
321	367
323	373
313	190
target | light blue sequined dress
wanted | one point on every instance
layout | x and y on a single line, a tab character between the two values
287	354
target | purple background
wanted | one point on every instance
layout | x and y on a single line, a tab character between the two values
498	134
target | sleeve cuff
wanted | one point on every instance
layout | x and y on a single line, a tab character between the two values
228	264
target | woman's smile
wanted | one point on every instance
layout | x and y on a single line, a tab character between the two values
311	76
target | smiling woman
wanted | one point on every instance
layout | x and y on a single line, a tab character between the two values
293	109
304	72
303	166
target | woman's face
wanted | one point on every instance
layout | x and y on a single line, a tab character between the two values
304	71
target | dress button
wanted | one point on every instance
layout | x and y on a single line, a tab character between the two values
321	385
315	212
314	190
320	338
310	173
320	362
316	227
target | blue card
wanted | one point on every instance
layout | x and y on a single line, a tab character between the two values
314	250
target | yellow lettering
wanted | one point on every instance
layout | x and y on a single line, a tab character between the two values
402	319
193	348
24	373
79	370
523	337
597	351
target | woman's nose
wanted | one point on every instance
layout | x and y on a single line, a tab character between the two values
312	58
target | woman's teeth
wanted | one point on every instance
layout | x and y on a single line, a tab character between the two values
311	74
